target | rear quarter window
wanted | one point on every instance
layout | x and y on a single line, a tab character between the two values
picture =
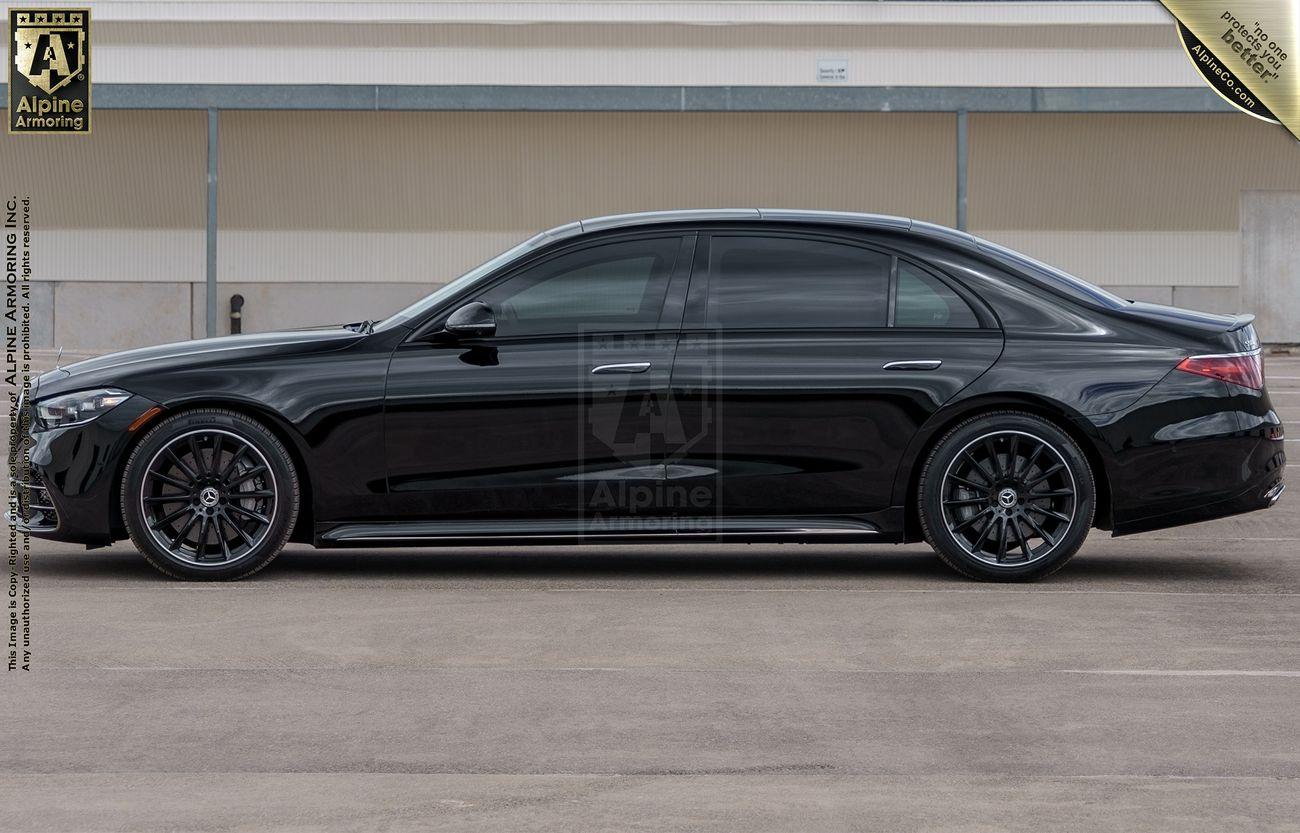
923	300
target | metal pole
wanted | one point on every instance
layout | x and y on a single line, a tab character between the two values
963	162
211	272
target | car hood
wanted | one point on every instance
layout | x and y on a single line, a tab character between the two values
104	370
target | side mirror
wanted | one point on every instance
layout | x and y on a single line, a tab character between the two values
474	320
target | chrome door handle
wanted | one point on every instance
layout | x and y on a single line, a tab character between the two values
629	367
917	364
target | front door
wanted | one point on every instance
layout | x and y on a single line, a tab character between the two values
559	415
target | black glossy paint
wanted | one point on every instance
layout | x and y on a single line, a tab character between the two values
812	423
402	436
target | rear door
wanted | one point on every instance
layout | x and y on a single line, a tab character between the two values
806	364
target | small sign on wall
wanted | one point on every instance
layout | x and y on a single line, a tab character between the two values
832	69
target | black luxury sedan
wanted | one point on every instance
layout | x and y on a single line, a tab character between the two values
742	375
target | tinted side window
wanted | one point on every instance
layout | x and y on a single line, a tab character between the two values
789	282
615	286
925	301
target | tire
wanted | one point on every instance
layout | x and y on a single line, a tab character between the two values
209	495
1006	496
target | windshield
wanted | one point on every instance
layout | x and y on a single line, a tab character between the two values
1071	285
465	281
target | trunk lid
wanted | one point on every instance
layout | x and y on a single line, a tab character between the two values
1226	333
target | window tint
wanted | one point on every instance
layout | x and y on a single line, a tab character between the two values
926	301
616	286
788	282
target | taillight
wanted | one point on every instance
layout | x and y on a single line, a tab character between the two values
1245	369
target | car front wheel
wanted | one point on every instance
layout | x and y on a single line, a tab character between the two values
210	495
1006	496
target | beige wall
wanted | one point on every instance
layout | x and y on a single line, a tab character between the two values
328	216
118	226
125	203
1144	203
420	197
143	169
1120	171
334	215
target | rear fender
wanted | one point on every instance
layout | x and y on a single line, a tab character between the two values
1079	427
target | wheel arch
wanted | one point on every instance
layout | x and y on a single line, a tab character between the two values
1073	424
274	422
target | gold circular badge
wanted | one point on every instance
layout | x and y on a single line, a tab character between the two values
1221	78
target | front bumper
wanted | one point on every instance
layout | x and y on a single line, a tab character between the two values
70	489
33	509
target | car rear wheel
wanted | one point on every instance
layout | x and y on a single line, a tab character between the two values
1006	496
210	495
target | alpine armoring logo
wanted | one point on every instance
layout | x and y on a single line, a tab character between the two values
49	71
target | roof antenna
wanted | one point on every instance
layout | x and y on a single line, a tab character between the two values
58	356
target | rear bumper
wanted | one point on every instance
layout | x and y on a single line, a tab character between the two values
1254	498
1192	449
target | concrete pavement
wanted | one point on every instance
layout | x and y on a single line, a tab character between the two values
1154	684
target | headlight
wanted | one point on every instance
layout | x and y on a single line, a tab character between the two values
82	406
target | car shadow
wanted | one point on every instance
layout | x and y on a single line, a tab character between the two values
598	562
913	562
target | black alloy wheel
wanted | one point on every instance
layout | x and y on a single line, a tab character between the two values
1006	496
209	494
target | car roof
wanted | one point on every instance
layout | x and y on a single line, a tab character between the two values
771	215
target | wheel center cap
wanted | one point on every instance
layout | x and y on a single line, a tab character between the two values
209	496
1008	498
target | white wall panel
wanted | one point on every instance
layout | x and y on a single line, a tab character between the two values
297	255
130	255
841	12
943	66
